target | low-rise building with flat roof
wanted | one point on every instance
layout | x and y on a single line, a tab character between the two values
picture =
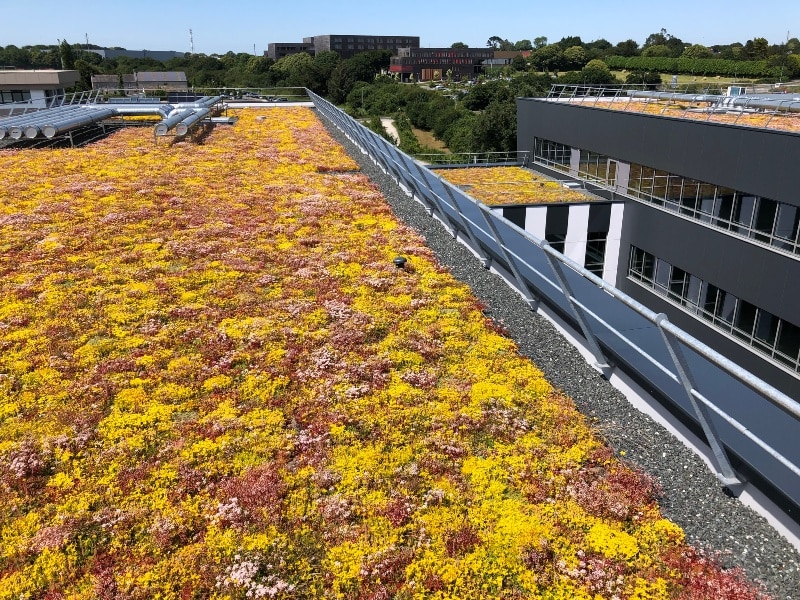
35	86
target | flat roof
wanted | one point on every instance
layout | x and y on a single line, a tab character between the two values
38	79
776	119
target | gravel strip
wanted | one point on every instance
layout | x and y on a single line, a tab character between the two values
692	495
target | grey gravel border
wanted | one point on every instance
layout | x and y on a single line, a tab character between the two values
692	496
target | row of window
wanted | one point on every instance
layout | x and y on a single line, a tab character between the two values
379	40
769	335
762	219
768	221
434	61
9	96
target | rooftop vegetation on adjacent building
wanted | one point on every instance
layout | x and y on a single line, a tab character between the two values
704	111
510	185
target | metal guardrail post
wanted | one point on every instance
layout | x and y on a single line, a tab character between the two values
602	363
434	204
522	284
726	473
486	260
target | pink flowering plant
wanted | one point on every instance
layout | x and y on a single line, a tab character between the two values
215	383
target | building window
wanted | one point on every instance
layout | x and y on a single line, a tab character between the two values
767	334
595	253
749	216
9	96
552	154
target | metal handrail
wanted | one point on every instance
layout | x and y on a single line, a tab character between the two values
513	157
453	207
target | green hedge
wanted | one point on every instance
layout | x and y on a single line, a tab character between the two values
699	66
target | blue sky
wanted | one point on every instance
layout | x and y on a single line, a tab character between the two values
238	26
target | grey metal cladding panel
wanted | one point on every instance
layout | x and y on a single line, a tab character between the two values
762	277
748	159
734	351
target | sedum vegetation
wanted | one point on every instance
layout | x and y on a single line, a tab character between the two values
215	383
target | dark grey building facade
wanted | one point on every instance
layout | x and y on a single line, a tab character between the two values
710	228
277	50
348	45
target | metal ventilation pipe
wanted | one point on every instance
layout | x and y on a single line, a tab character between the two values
792	105
38	117
92	116
143	109
175	117
183	127
673	96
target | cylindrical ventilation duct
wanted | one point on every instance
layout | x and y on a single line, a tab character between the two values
183	127
161	110
175	117
91	116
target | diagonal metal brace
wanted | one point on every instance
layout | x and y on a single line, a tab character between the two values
732	482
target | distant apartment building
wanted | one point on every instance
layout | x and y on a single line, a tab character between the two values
277	50
426	64
348	45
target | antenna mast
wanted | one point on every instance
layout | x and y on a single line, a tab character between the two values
191	41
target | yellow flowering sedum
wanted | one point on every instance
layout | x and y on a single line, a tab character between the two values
496	186
214	383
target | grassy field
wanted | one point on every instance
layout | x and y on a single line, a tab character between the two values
427	139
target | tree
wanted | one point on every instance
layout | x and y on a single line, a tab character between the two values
757	49
495	128
518	63
548	58
697	51
326	61
567	42
596	71
660	50
459	45
15	57
646	79
657	39
523	45
627	48
67	55
539	42
575	58
662	38
499	43
86	71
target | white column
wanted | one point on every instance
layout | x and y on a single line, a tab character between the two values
536	220
575	246
613	242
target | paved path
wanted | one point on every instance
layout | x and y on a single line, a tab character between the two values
388	125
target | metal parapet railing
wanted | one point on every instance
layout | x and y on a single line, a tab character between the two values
739	413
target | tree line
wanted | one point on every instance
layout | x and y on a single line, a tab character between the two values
476	118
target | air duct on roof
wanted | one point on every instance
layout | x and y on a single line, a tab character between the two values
65	125
175	117
740	102
183	127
